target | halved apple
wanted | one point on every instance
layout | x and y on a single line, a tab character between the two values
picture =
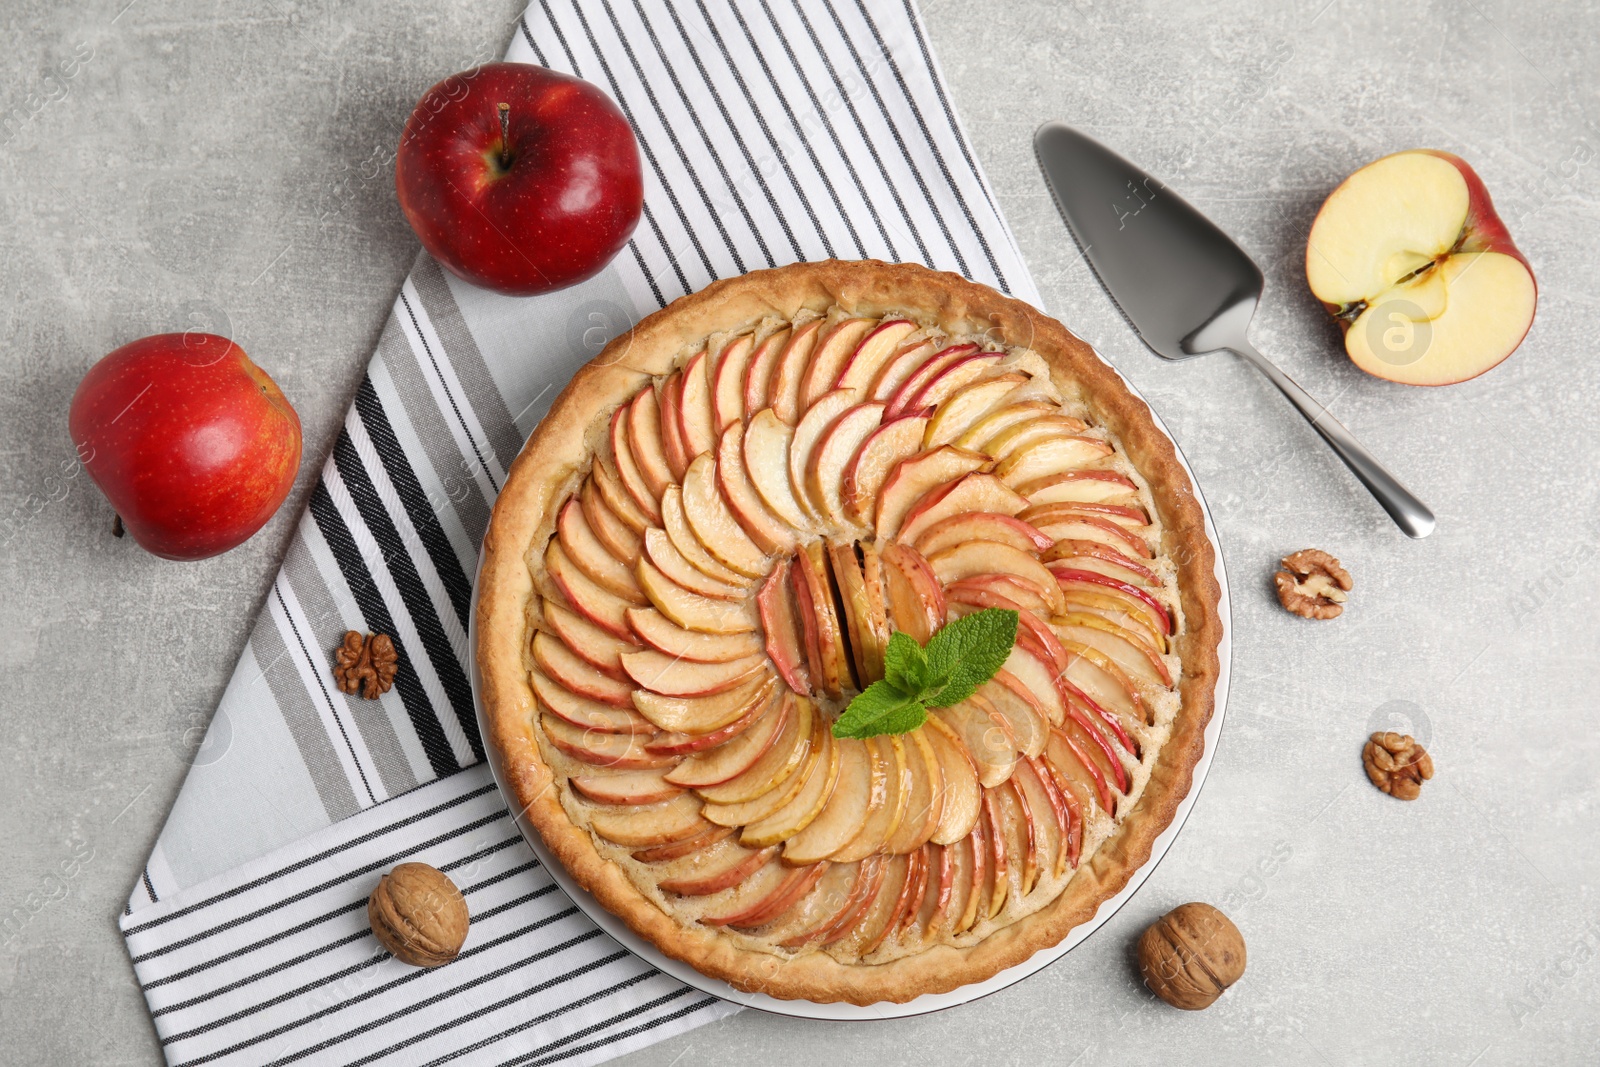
633	479
884	448
1410	258
703	713
770	533
585	712
640	827
558	661
913	477
829	357
966	406
625	787
758	375
727	382
596	647
969	493
690	610
767	440
875	349
783	394
836	450
714	524
622	752
644	440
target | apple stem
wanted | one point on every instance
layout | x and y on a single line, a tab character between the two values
116	526
505	135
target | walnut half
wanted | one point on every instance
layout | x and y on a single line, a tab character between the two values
1396	764
1312	584
366	664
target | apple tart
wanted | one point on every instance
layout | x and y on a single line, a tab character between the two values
699	557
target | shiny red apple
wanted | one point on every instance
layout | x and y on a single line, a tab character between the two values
519	179
193	444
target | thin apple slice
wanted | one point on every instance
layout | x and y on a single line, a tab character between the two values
732	759
674	677
626	787
609	484
1131	517
980	589
980	860
924	798
793	885
657	631
712	522
833	656
1052	822
585	712
1102	559
703	713
628	469
619	539
913	890
806	805
993	750
892	776
974	492
758	375
846	574
918	475
901	399
874	351
1036	671
844	813
733	865
767	441
782	792
1051	455
783	392
659	550
1081	487
864	891
914	597
935	909
644	441
829	357
958	775
694	408
884	449
770	533
620	752
1078	773
672	443
834	451
1027	726
903	364
1071	579
951	379
1103	680
684	540
1006	835
807	434
980	526
806	613
781	623
564	667
690	610
960	859
727	384
1024	435
1064	524
689	846
585	551
1132	653
967	405
977	437
789	750
669	743
1124	611
880	919
874	617
596	647
990	557
636	827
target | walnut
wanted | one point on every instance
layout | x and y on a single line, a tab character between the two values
1312	584
1397	764
365	663
1190	955
419	915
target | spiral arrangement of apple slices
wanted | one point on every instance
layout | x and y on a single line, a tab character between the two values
726	579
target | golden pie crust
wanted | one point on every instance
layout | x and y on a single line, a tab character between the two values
556	460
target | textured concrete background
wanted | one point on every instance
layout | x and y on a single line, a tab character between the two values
168	165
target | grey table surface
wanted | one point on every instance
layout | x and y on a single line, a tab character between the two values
218	164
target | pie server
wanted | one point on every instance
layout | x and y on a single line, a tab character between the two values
1185	286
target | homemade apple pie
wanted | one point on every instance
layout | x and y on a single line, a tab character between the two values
699	558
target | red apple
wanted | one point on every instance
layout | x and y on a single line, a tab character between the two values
193	444
519	179
1411	259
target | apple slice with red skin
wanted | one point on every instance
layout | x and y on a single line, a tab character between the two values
1100	678
876	348
690	610
960	861
874	617
689	846
980	527
902	399
1067	526
845	811
619	539
863	891
829	357
912	478
909	895
1132	652
1017	834
734	866
925	796
590	556
1070	577
770	533
832	675
1068	754
977	437
985	737
951	379
626	787
696	428
883	450
1131	517
806	805
784	792
1027	726
958	775
728	761
788	752
1006	586
1124	611
978	862
1081	487
990	557
564	667
758	372
935	905
914	597
903	364
1052	821
1410	258
1102	559
727	382
594	646
805	612
628	469
683	539
1028	433
644	441
999	878
585	712
714	525
659	550
968	405
672	442
680	744
836	450
780	622
645	826
674	677
1065	666
783	394
973	492
609	484
703	713
1051	455
808	433
865	649
891	792
767	445
621	752
878	919
794	885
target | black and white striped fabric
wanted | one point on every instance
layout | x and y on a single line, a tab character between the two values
772	131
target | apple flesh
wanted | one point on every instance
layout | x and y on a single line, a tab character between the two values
1411	259
193	444
519	179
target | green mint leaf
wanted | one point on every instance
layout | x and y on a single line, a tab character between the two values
903	663
967	652
880	709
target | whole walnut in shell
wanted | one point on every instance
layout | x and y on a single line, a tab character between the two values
1190	955
419	915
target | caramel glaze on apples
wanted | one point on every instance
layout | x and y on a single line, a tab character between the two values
723	582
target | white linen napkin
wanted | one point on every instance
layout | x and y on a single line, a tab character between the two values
771	131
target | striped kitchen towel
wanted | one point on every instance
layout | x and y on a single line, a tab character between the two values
772	131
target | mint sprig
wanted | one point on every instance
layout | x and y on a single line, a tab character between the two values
945	671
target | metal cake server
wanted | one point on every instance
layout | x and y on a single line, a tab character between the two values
1185	286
